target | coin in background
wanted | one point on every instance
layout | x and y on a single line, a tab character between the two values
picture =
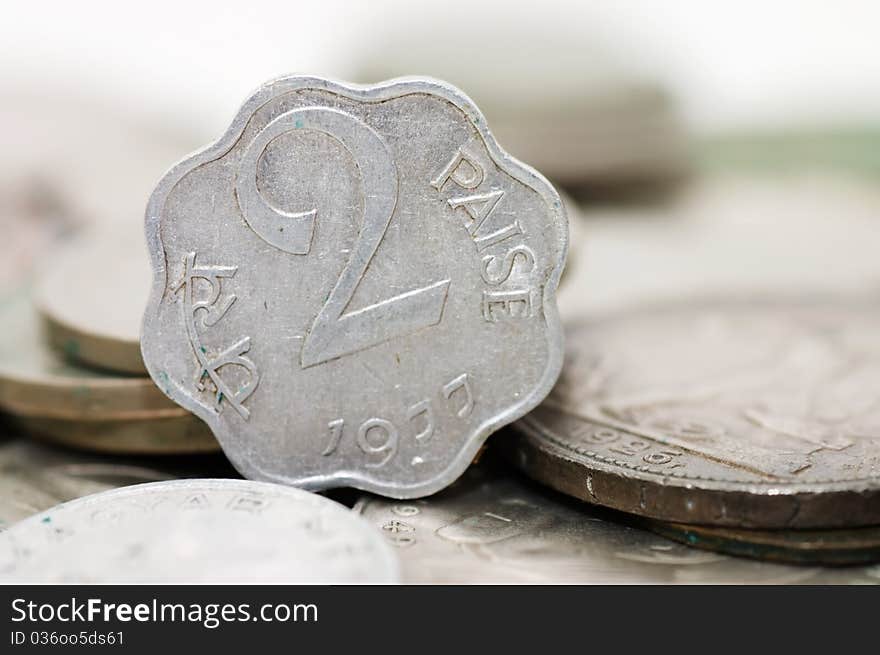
728	413
729	234
355	286
558	101
92	296
86	407
577	235
35	477
493	527
197	531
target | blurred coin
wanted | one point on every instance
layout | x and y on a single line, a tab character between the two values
573	110
834	148
197	531
169	435
33	217
40	388
492	527
837	547
728	413
34	477
92	297
730	234
576	233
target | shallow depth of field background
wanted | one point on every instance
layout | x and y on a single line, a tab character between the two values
732	65
79	78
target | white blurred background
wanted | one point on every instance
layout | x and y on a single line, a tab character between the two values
730	64
100	98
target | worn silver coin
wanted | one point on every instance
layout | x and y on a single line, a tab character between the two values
355	286
734	413
197	531
493	527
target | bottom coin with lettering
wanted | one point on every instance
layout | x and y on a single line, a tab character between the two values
838	547
494	527
197	531
36	476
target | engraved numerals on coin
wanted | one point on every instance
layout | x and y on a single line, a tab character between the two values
379	438
620	444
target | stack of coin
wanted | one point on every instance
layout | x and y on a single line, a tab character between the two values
562	103
745	426
76	382
493	526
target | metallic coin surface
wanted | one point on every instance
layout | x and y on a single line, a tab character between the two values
729	413
355	286
34	477
47	393
166	435
842	546
494	527
197	531
92	298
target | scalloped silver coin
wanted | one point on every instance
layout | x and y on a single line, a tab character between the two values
355	285
197	531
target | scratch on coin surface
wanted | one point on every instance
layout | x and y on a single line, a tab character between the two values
497	516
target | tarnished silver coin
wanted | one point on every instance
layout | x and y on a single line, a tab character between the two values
732	413
92	297
492	527
355	285
197	531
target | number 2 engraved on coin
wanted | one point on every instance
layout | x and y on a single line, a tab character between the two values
214	310
336	332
